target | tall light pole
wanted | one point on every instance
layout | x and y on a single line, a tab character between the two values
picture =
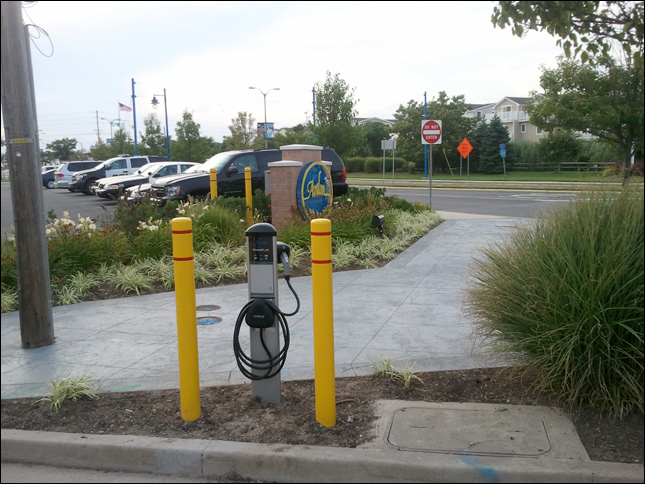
266	144
111	121
154	105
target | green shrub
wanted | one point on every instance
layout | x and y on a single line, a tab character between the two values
374	165
127	215
153	240
217	223
295	233
564	298
8	266
84	252
261	205
355	165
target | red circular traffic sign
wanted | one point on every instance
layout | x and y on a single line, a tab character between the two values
431	132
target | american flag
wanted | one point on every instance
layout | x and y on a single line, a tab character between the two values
123	107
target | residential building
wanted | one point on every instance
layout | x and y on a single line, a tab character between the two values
510	110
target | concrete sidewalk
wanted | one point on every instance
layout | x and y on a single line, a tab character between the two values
409	310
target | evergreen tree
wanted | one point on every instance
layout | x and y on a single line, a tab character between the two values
489	137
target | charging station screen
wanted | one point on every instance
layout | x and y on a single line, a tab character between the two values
261	249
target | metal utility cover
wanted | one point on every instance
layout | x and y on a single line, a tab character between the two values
496	431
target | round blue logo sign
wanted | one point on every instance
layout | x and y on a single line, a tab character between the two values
314	190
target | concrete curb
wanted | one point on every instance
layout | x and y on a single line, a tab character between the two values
292	463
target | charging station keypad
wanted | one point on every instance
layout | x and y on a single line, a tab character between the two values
261	250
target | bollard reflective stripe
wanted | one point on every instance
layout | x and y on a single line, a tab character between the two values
323	315
184	266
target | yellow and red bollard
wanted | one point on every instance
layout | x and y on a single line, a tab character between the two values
213	183
184	265
323	312
249	196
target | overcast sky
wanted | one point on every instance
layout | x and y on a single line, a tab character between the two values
207	54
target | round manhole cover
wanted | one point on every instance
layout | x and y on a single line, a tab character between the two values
209	320
208	307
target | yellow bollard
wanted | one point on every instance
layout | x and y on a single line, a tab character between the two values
249	196
213	183
323	306
184	265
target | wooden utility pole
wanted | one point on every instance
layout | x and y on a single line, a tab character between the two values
23	155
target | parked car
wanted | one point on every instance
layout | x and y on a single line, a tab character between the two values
65	171
84	181
111	187
230	167
138	192
48	173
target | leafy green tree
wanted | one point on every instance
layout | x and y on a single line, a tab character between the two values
335	113
101	151
122	143
374	133
190	145
244	134
488	138
153	141
63	149
605	101
300	134
589	27
408	132
455	127
559	146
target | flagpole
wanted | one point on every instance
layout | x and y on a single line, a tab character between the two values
134	117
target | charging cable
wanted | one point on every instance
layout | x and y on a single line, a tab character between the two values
261	314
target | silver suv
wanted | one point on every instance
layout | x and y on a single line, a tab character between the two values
63	174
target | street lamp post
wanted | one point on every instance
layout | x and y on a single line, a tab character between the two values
154	105
266	143
111	121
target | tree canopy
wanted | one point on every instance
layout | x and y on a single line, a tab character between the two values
244	135
190	145
335	113
605	101
587	27
63	149
153	141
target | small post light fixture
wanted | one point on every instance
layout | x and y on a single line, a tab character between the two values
266	144
155	103
378	221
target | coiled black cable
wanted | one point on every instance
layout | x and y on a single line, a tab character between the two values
272	365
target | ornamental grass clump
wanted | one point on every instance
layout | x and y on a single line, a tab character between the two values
72	389
563	299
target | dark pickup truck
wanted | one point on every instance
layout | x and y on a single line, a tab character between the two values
230	165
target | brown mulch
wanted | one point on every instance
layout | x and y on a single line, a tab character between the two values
232	413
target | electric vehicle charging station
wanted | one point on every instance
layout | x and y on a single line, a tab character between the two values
262	315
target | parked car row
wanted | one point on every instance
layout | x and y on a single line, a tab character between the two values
230	166
133	177
114	186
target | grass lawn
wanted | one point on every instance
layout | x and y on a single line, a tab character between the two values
541	176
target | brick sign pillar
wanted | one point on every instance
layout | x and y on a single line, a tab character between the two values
284	179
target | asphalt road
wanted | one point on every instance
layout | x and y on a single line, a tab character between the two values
506	203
